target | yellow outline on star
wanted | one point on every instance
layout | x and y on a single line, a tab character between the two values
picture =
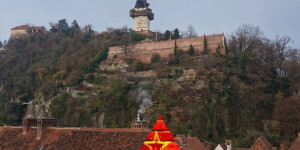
156	140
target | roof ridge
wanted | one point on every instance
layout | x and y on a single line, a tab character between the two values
100	129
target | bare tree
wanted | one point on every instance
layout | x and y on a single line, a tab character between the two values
191	32
281	51
88	29
247	37
295	55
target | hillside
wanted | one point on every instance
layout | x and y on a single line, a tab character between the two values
250	91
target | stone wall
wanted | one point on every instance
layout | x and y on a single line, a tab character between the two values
144	51
16	33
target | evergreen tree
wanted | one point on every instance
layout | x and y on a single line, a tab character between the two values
176	34
63	26
205	46
75	24
176	55
218	53
267	134
167	35
175	48
75	29
209	131
191	51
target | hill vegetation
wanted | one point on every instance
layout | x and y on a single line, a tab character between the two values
252	88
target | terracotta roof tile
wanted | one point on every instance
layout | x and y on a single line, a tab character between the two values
261	143
63	138
296	144
22	27
191	143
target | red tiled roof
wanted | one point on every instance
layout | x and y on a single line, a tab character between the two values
296	144
261	143
22	27
191	143
64	138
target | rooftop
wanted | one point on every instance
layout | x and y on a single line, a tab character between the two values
296	144
22	27
73	138
25	27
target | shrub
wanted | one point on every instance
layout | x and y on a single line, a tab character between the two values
155	58
136	37
139	66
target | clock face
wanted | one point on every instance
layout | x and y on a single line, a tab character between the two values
141	21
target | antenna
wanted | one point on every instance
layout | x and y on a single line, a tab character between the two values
223	28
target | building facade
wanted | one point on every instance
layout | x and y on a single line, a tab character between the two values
24	30
142	15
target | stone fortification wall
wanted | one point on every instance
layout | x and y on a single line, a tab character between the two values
144	51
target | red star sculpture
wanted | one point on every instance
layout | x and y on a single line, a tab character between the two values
160	138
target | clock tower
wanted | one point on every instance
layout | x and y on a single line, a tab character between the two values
142	15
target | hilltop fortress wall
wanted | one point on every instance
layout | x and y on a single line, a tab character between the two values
145	51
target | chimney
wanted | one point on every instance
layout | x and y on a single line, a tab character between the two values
26	127
39	129
228	144
42	126
282	147
188	136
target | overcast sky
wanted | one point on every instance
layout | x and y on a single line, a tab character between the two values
275	17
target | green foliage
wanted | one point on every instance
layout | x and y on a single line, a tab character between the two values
129	61
96	80
184	129
218	53
42	74
139	66
63	26
245	138
176	54
206	51
58	106
115	101
208	131
100	56
11	113
267	134
167	35
176	34
155	58
191	50
59	75
137	37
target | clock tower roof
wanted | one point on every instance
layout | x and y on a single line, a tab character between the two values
141	4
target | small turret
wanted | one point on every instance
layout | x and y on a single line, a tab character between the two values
138	117
139	124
